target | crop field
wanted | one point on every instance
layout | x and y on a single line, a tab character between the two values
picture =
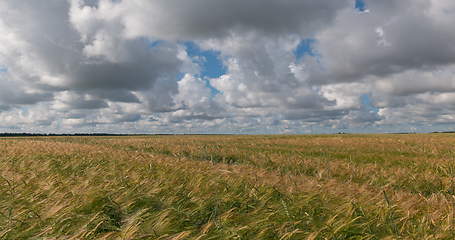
228	187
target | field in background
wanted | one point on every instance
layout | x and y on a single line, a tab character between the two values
228	187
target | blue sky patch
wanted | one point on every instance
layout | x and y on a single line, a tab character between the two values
153	44
360	5
305	47
367	103
211	64
3	69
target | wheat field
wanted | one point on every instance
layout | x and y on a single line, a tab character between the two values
228	187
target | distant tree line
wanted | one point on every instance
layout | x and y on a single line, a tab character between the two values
88	134
56	135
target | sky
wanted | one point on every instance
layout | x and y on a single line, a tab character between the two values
227	66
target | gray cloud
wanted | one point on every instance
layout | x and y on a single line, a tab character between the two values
54	57
200	19
4	108
118	95
86	104
134	117
395	36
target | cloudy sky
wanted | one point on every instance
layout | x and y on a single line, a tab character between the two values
227	66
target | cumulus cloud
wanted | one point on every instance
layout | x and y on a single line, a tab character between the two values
201	19
394	37
113	65
49	59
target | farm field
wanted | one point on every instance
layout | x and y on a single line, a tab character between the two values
228	187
